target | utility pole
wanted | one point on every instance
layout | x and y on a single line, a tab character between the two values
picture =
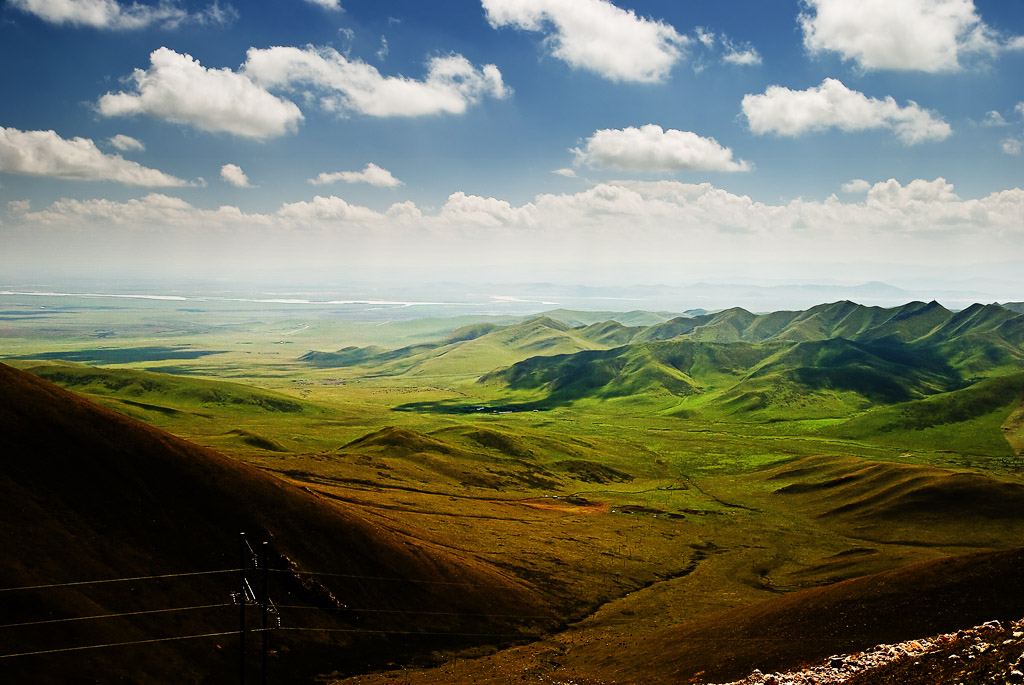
243	559
266	605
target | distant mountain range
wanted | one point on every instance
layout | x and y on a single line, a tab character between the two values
829	359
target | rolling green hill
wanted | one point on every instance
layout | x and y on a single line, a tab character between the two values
979	341
219	414
636	318
974	420
167	393
470	350
804	380
831	361
832	377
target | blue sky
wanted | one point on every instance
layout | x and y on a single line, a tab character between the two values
516	140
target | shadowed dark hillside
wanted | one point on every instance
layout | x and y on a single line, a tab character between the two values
808	626
88	494
787	632
810	378
882	502
673	367
876	373
982	419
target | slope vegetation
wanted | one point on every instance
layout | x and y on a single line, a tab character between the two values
153	391
807	626
88	494
810	379
979	420
890	503
472	349
980	341
784	633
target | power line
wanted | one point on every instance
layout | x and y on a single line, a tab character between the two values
117	580
116	644
400	632
407	611
129	613
401	580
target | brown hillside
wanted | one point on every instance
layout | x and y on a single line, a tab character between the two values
89	494
807	626
786	633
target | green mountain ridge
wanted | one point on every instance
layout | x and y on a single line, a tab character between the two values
999	330
831	361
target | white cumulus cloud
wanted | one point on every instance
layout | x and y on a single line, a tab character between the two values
233	174
44	153
921	35
110	14
327	209
892	193
994	118
372	174
19	206
659	227
153	212
126	143
596	35
650	148
746	56
349	85
334	5
665	208
794	112
178	89
719	45
857	185
474	210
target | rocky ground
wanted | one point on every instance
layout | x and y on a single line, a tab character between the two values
989	653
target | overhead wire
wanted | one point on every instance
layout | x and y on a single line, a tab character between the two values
101	616
118	580
116	644
398	632
278	607
393	579
408	611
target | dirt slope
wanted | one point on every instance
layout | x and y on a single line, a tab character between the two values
807	626
785	633
89	494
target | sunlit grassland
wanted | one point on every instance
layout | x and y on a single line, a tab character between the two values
690	502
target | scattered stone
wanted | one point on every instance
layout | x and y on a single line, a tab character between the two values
965	645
